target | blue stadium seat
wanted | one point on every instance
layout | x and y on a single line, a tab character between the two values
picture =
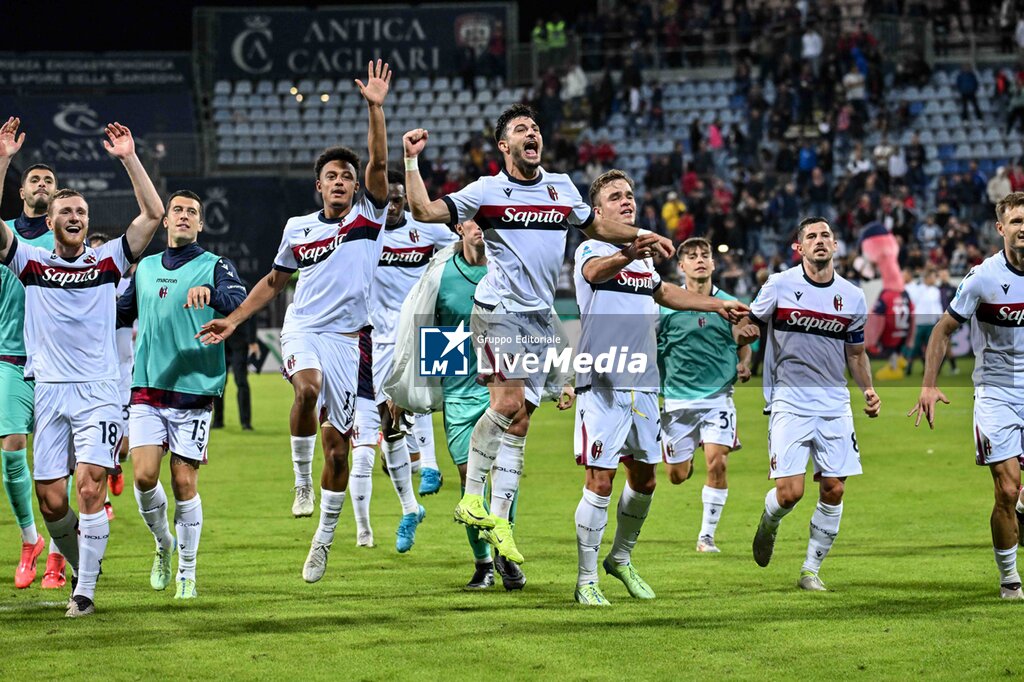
407	98
963	151
444	97
464	97
264	87
484	97
958	136
442	84
222	88
325	85
243	87
703	88
225	158
425	97
975	135
284	87
1014	149
245	156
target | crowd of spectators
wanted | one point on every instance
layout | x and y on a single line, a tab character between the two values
812	95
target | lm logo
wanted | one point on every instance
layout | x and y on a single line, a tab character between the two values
444	351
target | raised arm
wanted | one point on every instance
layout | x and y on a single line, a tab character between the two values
10	144
677	298
121	145
263	293
938	343
860	368
375	91
603	268
422	208
614	232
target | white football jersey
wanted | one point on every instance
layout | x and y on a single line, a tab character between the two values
992	294
70	310
407	249
809	327
336	260
125	342
524	224
618	314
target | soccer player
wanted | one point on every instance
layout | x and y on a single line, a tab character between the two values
69	336
525	213
927	301
174	382
123	339
993	294
618	292
335	251
408	246
813	322
697	356
38	185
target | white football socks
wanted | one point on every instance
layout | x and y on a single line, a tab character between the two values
591	519
93	532
714	502
360	484
397	457
1006	561
824	528
483	449
302	459
153	508
773	510
188	523
331	503
632	511
64	536
505	474
423	429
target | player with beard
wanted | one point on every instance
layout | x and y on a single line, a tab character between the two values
38	184
408	246
618	292
700	362
813	322
69	338
525	212
335	251
993	294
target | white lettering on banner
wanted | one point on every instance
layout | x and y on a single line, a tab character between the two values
413	257
64	278
374	29
512	215
250	48
616	360
344	59
808	322
1010	315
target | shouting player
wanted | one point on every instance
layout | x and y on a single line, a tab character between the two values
175	381
336	252
618	292
993	294
408	246
815	330
38	184
69	336
525	213
697	356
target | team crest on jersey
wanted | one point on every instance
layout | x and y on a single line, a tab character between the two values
553	193
414	236
90	259
774	462
163	292
596	449
838	302
289	364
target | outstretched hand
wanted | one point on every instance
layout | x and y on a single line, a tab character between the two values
10	141
215	331
378	81
926	406
119	143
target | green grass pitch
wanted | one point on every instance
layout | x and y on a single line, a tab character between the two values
912	579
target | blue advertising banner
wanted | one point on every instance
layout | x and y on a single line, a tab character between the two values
66	132
336	42
110	71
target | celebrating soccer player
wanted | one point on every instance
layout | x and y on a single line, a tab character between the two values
174	382
525	212
335	251
993	294
697	355
69	338
618	292
815	330
408	246
38	185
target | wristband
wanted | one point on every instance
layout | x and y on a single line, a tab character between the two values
641	232
412	164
